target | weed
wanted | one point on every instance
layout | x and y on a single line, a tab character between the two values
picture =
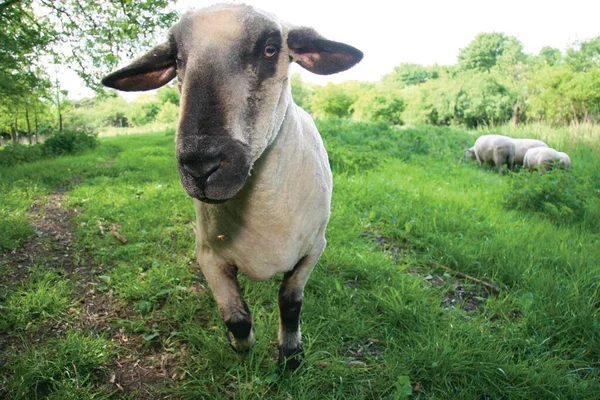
556	194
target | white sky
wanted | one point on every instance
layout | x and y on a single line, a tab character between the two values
426	31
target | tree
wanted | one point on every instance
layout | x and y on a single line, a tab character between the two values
488	50
335	100
168	94
87	35
168	113
379	103
301	92
22	36
407	74
583	56
551	55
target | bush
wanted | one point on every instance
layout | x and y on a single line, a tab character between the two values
69	142
557	195
15	153
168	113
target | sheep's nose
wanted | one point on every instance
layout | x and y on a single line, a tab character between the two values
199	168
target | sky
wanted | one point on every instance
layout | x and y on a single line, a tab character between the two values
424	32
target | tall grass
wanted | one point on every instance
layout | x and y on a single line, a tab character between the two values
568	137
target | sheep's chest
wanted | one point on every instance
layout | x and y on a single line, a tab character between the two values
261	242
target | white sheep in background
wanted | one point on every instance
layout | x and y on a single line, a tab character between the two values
521	147
564	159
237	115
493	150
543	158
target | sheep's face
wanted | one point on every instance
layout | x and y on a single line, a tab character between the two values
470	153
232	65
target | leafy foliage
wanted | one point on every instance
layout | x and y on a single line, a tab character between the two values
407	74
493	83
301	92
334	100
557	194
379	104
98	33
488	50
68	142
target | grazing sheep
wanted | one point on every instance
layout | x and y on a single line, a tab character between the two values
251	159
493	150
543	158
521	147
564	159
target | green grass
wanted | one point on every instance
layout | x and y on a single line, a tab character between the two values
44	296
377	318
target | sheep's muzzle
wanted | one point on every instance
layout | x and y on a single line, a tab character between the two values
213	169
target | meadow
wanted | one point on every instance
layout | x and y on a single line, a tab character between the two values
441	280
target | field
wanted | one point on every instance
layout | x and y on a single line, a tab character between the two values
441	280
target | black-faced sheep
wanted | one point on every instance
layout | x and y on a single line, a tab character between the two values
253	161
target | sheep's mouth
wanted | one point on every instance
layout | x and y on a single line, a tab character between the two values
218	185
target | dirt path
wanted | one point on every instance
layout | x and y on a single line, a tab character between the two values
139	370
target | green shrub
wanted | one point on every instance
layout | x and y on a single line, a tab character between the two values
556	194
15	153
69	142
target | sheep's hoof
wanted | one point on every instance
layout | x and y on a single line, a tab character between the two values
241	345
290	359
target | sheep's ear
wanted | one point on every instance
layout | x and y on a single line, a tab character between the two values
151	71
319	55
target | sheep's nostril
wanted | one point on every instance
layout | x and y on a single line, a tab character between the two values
199	169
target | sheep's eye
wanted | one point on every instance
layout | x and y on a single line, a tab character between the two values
269	51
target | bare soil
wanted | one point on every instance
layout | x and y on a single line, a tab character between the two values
140	369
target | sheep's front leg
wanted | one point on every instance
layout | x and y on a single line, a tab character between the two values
222	279
290	298
479	160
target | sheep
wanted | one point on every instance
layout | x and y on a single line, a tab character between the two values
564	159
493	150
543	158
521	147
250	158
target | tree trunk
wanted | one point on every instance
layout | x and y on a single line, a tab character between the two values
515	115
60	121
28	125
35	121
14	131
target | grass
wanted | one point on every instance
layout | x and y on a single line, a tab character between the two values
381	318
154	127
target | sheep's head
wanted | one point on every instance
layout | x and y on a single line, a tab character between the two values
232	65
470	153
